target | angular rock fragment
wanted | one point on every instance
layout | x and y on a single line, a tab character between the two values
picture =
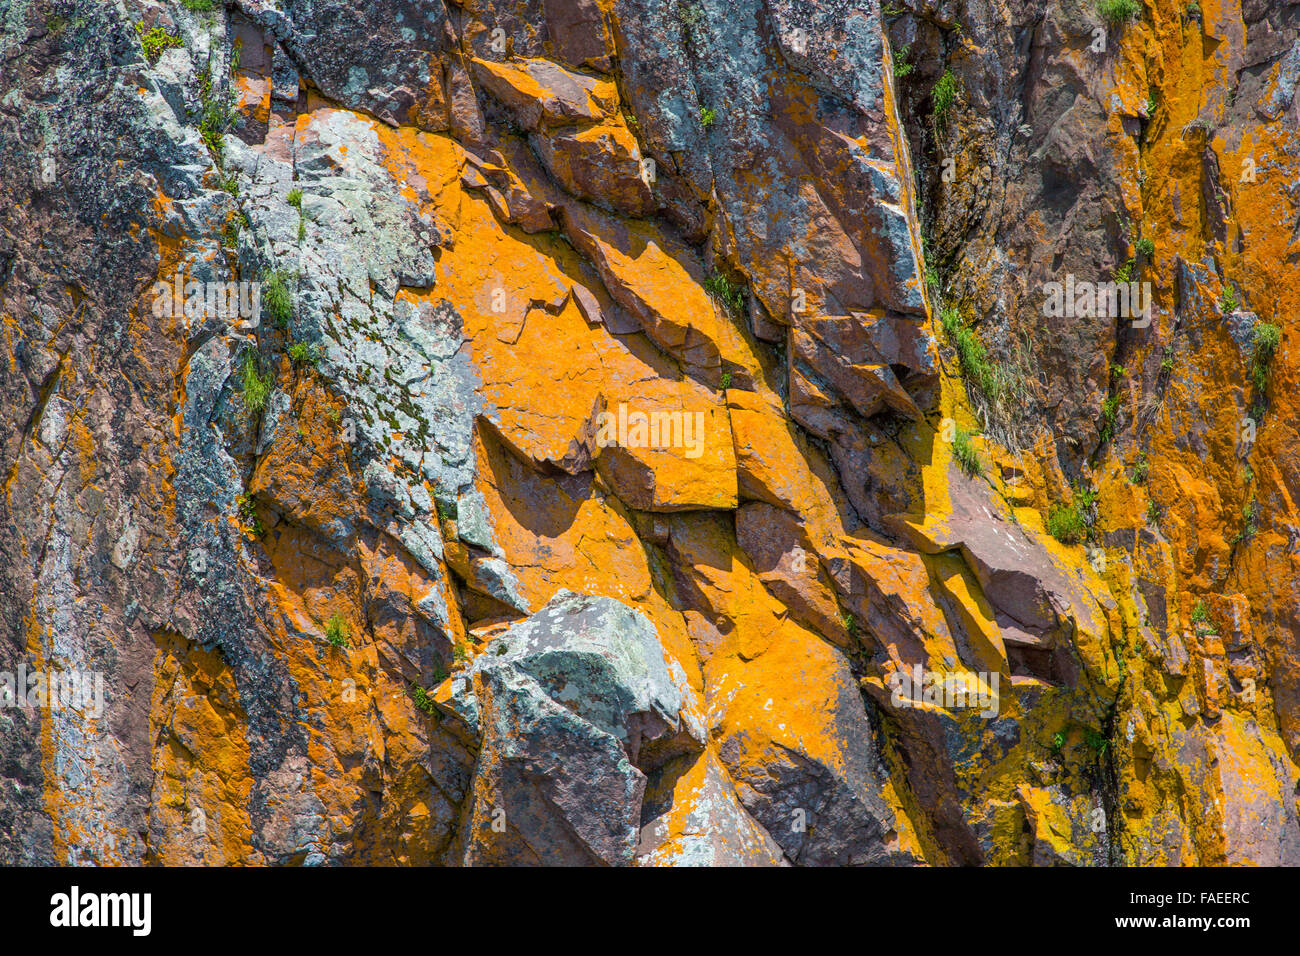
574	705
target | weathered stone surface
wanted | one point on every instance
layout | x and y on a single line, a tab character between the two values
574	704
806	771
702	822
305	541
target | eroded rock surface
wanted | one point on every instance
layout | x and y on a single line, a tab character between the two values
514	432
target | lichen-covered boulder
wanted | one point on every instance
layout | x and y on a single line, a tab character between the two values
574	704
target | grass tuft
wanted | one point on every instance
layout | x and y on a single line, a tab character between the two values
1201	618
1267	338
975	364
300	353
963	449
337	631
943	96
1068	523
1119	12
276	296
1109	413
255	386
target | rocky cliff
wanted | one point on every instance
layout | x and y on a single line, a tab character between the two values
649	432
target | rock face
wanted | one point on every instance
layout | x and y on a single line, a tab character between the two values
570	709
642	432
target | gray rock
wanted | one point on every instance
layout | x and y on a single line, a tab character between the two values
573	705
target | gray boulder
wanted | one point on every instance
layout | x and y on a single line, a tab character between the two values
571	708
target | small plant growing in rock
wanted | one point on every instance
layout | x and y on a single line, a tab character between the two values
1167	363
1138	473
975	364
729	294
1266	340
200	6
1097	743
1068	523
943	96
295	200
216	114
1153	514
276	296
1058	742
963	449
1228	301
300	353
726	381
1146	248
1192	11
1250	518
156	41
230	233
901	67
1065	524
1119	12
255	386
1267	337
708	116
248	520
850	623
1201	618
337	631
951	321
422	699
1124	273
1109	414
